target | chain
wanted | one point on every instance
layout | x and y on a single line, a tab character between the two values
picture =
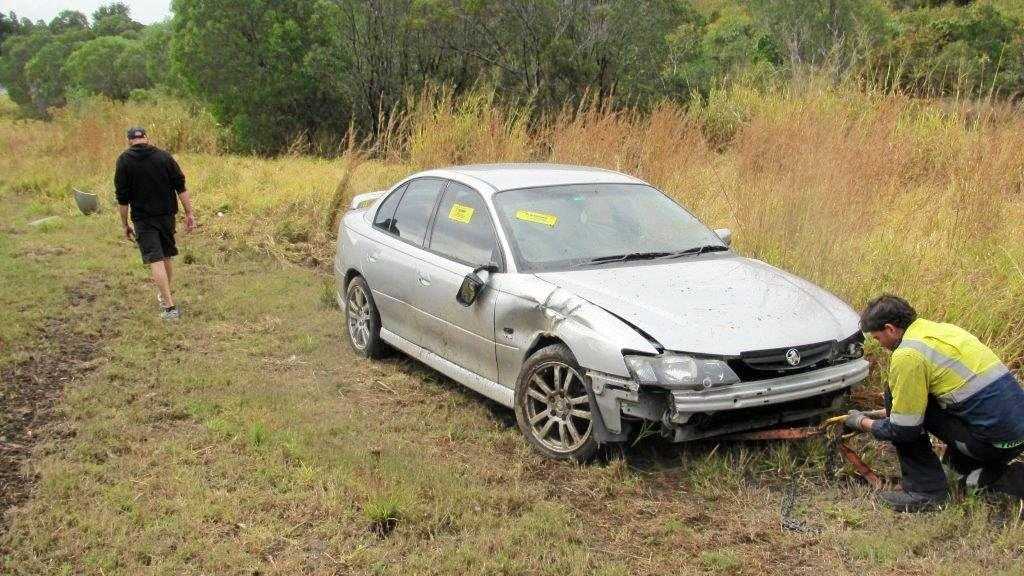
789	500
786	511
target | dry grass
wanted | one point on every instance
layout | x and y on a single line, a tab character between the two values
247	439
861	193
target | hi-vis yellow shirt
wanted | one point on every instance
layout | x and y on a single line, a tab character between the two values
941	360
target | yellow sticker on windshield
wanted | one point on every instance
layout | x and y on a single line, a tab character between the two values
461	213
537	217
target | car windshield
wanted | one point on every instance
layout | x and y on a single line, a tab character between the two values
570	226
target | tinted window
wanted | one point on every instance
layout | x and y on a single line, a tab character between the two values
413	213
385	217
463	229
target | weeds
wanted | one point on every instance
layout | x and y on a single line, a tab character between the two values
858	192
289	433
383	513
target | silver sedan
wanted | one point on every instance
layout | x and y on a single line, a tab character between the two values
591	304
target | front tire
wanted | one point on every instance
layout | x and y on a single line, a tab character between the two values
362	320
552	404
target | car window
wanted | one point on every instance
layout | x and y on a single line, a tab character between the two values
463	230
414	210
564	227
385	218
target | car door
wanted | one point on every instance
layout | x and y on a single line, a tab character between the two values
462	237
391	262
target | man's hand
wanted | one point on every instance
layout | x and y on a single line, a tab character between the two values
855	420
190	221
129	232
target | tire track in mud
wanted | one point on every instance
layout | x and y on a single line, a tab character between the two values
31	390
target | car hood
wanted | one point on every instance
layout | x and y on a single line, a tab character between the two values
717	304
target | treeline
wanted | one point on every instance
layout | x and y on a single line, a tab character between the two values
279	71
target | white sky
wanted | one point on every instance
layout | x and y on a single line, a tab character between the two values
145	11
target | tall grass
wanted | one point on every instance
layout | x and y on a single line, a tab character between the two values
860	192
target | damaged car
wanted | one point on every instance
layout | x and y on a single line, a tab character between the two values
590	303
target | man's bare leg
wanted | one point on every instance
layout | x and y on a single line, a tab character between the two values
168	267
162	280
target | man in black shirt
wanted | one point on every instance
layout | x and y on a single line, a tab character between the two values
149	182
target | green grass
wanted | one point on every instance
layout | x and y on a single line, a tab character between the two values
247	438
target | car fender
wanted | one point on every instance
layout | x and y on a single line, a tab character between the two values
530	311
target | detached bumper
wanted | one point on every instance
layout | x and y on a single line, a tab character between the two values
764	392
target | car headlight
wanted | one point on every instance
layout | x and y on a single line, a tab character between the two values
850	348
680	371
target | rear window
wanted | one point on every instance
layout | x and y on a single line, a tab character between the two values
386	213
412	216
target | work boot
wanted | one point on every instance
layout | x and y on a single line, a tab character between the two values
1008	480
901	501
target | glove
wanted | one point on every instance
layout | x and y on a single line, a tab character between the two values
853	420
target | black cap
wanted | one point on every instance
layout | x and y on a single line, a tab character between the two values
136	132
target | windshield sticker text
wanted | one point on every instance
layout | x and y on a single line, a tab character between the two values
461	213
537	217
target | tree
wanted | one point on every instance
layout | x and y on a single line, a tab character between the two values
818	32
255	63
155	42
114	20
16	53
45	76
9	26
109	65
67	21
703	53
950	50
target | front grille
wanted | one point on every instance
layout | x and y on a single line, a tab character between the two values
762	364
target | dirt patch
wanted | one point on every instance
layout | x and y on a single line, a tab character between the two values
30	390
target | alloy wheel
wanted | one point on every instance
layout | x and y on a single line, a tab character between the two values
359	317
558	407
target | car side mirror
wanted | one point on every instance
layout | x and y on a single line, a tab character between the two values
473	285
725	234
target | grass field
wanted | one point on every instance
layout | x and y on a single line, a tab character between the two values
248	439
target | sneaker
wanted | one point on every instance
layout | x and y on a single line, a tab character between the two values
901	501
171	313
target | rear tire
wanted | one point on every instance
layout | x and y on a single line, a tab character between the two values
362	320
552	404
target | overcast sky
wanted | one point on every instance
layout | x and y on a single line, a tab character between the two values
145	11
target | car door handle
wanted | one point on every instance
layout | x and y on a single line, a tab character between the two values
424	278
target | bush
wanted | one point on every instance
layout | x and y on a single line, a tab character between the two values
948	50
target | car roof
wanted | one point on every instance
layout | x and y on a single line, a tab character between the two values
512	175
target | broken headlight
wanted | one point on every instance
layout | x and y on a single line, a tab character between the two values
849	349
679	371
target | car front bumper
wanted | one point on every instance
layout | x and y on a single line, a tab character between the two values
684	413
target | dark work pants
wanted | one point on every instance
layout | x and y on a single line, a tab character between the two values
921	469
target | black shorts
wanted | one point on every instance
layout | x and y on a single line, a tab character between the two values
155	237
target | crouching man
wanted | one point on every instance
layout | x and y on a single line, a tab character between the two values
943	381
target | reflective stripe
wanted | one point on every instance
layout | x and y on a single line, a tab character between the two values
906	419
938	358
1008	445
974	385
972	382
